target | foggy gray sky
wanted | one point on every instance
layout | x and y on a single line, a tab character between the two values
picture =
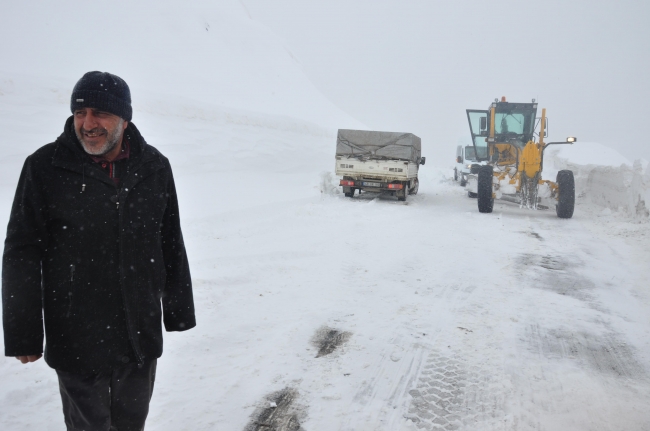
416	65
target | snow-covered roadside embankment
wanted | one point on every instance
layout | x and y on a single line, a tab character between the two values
605	178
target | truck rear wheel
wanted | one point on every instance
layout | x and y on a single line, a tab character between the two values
485	200
566	189
416	186
349	194
401	194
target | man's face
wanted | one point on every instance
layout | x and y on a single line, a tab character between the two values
99	132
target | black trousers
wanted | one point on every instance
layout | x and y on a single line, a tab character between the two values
116	400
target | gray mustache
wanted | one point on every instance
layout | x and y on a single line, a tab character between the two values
96	130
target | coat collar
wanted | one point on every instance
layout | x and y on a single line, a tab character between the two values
144	160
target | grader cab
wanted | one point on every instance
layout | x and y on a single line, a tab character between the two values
504	136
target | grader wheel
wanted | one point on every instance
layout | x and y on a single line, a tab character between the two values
485	200
566	194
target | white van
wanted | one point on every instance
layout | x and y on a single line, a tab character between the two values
465	156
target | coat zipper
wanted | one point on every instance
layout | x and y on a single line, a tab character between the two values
129	328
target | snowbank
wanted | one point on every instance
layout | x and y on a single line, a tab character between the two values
603	176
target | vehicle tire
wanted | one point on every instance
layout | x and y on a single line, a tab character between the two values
566	189
463	181
472	195
416	187
484	195
455	175
349	194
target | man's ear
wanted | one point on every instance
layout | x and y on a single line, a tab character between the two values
126	123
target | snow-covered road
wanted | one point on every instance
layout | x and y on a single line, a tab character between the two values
515	320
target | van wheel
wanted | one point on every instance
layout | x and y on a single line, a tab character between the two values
485	200
463	181
455	175
566	188
472	195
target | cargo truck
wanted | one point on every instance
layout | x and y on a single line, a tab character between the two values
380	162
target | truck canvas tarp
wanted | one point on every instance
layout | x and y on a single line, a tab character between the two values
365	144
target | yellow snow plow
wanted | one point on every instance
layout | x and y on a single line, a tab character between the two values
510	139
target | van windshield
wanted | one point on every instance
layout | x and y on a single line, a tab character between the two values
470	153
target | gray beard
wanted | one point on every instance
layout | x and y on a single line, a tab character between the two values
112	139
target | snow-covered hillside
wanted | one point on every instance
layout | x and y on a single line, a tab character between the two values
207	51
336	313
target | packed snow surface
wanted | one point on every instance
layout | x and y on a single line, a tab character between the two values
365	313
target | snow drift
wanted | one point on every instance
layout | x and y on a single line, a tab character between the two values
604	177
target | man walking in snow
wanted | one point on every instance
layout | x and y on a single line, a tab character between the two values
93	249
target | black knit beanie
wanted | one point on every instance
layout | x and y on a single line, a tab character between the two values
102	91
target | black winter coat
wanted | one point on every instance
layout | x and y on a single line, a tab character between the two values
93	263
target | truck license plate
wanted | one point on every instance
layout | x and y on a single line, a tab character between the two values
367	184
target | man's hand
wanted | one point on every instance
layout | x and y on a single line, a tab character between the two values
29	358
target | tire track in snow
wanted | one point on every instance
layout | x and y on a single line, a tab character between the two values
386	399
438	397
573	367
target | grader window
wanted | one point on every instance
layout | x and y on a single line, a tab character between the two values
509	124
481	146
514	122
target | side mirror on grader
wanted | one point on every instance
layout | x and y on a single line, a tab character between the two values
504	136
